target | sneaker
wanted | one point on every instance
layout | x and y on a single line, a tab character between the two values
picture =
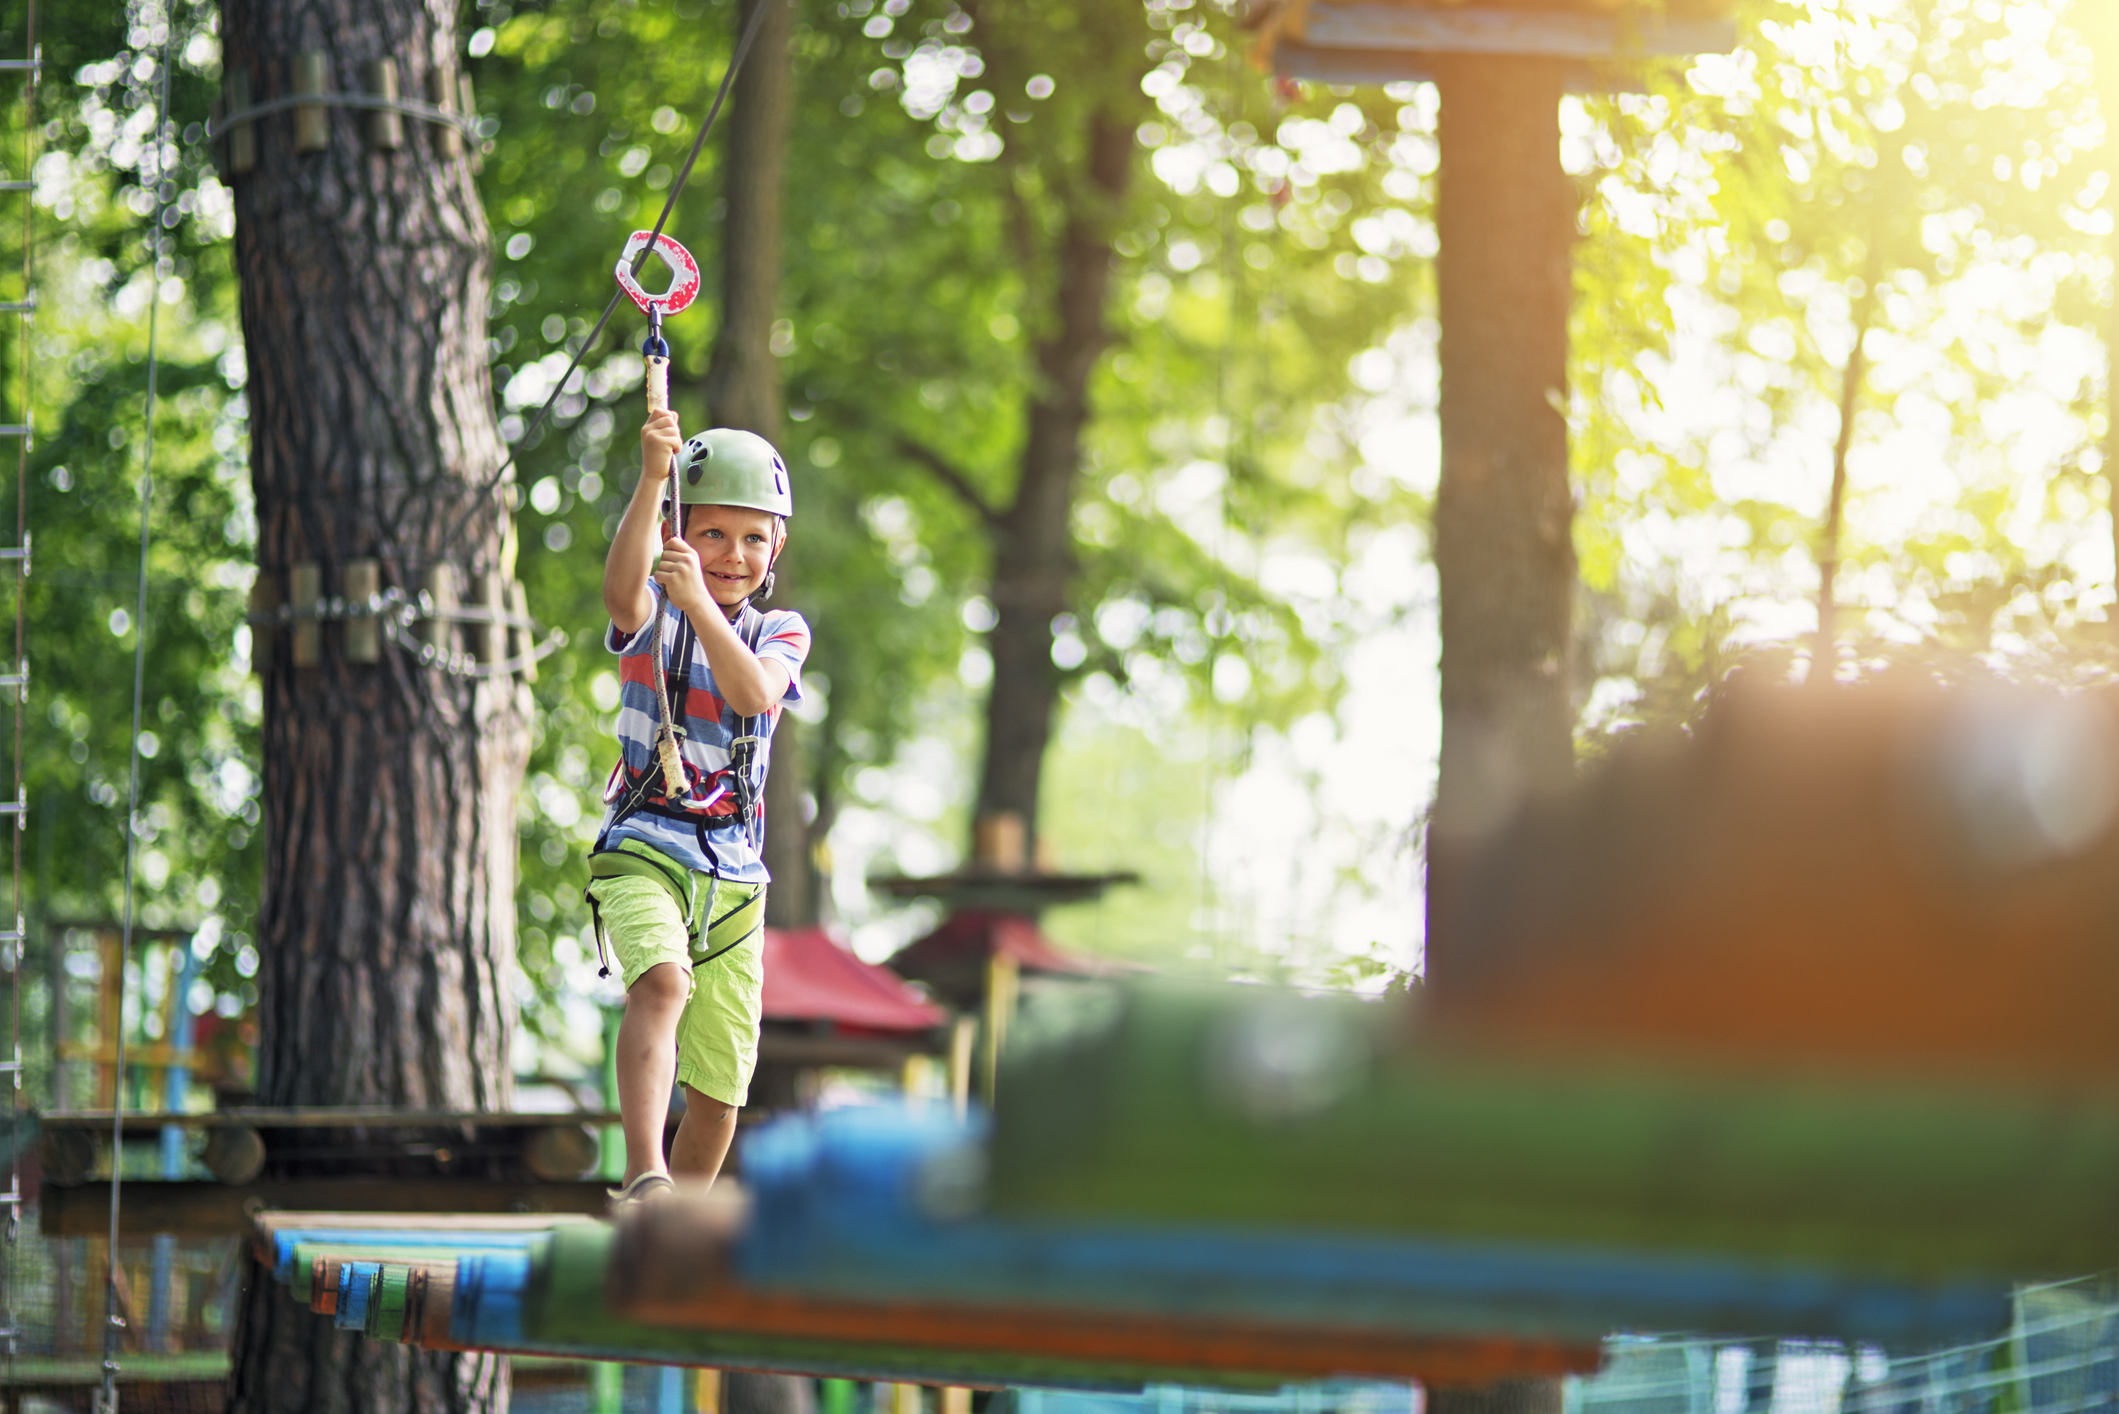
645	1188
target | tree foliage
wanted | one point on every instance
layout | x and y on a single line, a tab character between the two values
1273	236
1929	175
1942	160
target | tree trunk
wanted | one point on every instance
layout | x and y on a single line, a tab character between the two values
386	926
1032	540
1504	512
1504	549
1824	659
743	386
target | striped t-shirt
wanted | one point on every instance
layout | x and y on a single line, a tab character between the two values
715	844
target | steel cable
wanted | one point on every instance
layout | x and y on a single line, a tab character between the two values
728	79
18	947
107	1396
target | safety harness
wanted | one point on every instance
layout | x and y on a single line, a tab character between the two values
633	793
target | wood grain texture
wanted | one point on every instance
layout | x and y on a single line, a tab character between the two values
387	919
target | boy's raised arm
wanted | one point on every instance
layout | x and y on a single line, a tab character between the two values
639	537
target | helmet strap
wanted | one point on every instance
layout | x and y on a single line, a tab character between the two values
764	591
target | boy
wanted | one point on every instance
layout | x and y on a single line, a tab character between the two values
675	881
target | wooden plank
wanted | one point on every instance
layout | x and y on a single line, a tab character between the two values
1529	33
273	1220
318	1117
671	1267
221	1210
134	1367
1376	67
852	1052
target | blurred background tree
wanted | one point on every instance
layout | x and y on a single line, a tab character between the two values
87	371
1253	448
1843	392
927	197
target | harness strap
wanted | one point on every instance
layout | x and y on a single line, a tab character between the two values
756	900
743	749
682	885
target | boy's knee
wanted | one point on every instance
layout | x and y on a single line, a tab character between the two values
706	1107
663	985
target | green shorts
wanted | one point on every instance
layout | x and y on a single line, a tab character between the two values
717	1037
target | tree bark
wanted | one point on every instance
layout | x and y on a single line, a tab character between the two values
1032	540
386	927
1504	511
743	388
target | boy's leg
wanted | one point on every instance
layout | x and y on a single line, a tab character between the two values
647	1062
717	1040
647	934
703	1136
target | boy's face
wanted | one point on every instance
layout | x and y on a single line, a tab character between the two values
735	546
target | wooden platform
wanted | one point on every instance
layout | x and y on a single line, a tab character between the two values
318	1117
150	1207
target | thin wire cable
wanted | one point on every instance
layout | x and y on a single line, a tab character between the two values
728	79
9	1320
107	1399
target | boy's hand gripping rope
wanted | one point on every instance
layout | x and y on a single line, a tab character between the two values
684	287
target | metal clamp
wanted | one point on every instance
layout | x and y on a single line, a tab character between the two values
390	603
397	614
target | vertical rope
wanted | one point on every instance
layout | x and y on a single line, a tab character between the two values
8	1316
107	1397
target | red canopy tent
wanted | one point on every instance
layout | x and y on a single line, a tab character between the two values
953	959
811	979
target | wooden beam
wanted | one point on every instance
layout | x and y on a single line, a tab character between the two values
152	1207
135	1367
1540	34
852	1052
318	1117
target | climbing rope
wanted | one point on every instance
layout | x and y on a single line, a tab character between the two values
728	79
164	143
18	685
393	608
